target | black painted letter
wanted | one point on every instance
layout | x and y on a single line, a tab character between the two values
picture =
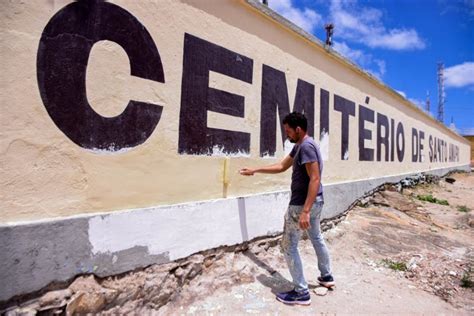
421	134
324	114
197	98
62	59
275	99
400	147
346	107
415	145
365	114
382	120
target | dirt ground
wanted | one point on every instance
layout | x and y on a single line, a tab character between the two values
391	254
434	241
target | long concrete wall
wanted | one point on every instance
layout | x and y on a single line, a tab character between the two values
471	141
124	124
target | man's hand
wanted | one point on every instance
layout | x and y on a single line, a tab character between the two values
275	168
304	220
247	172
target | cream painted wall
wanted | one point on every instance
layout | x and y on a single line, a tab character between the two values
45	174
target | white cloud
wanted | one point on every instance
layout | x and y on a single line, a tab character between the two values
381	64
364	25
465	7
460	75
353	54
402	93
397	39
466	131
305	18
361	58
419	103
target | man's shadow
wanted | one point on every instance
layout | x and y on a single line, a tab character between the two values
275	281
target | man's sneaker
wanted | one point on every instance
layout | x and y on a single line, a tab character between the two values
294	298
327	281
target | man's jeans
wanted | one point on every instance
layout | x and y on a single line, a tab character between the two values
289	243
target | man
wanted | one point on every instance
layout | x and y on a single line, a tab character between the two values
304	210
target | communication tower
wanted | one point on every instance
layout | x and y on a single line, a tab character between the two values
441	94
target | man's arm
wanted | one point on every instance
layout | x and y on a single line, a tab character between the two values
312	168
275	168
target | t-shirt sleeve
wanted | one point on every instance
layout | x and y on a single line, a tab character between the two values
293	151
308	154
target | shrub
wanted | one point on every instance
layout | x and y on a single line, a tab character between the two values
431	199
463	208
395	265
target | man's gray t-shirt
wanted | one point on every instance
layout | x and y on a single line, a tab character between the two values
302	154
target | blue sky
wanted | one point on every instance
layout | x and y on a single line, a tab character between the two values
401	42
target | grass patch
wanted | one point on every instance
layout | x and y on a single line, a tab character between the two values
395	265
463	208
466	281
430	198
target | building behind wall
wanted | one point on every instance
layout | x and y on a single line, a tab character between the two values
124	124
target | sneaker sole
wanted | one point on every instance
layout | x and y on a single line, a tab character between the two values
328	284
306	303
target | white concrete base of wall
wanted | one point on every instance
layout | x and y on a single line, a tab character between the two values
34	254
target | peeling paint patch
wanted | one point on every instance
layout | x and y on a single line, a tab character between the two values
288	146
111	150
346	155
324	145
267	155
130	259
219	151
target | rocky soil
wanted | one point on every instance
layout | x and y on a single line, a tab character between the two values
392	253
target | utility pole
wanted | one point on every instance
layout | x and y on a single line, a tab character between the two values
441	92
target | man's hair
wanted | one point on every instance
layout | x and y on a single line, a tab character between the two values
295	120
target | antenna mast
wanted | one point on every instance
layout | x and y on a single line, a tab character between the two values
441	92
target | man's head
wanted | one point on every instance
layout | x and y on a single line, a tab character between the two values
295	126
